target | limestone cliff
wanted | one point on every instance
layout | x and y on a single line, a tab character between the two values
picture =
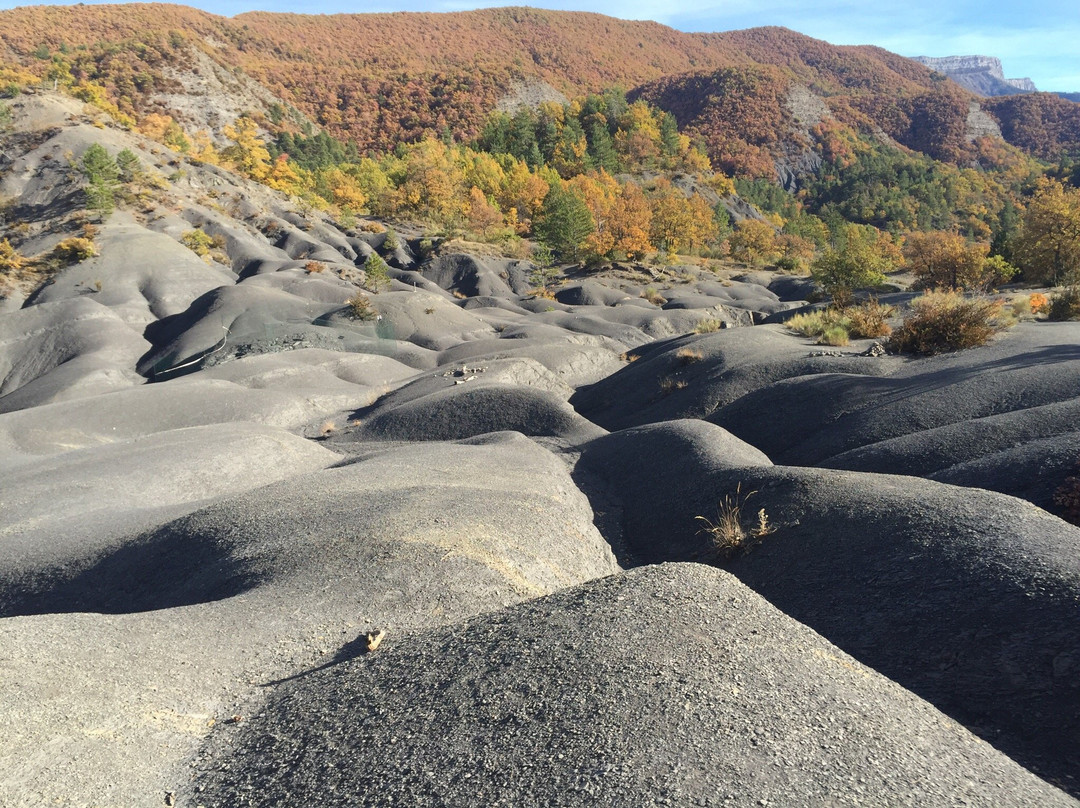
982	75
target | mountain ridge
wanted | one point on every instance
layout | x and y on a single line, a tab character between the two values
983	75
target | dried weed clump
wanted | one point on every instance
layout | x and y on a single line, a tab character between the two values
688	356
730	534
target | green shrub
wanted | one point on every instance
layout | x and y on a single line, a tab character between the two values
198	241
708	326
1065	305
943	321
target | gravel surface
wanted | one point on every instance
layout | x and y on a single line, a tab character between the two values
670	685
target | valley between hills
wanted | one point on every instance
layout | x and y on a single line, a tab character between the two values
396	412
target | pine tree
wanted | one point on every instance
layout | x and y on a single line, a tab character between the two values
564	222
102	176
127	165
377	272
602	148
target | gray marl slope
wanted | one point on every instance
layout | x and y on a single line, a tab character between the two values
970	599
670	685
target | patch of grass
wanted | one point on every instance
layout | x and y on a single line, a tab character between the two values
198	241
669	384
836	336
708	326
943	321
653	296
313	267
1065	305
688	356
10	260
815	323
730	534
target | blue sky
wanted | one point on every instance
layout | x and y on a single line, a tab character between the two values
1039	39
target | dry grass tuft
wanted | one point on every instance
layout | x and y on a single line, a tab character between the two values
729	534
688	356
669	384
708	326
654	296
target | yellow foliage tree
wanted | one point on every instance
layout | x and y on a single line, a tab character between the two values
679	222
481	214
345	191
945	260
1048	245
203	149
430	182
629	222
282	177
599	190
754	242
524	190
248	154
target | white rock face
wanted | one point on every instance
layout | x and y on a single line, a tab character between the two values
982	75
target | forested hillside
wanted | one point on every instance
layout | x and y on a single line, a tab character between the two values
395	115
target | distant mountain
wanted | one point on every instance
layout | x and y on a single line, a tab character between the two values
983	75
382	79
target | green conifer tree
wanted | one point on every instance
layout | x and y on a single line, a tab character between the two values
564	223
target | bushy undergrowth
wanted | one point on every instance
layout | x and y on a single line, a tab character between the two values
943	321
1065	305
75	249
10	259
836	326
870	319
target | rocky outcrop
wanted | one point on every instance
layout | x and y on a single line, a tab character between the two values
982	75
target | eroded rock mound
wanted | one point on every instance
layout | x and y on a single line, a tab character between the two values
591	696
